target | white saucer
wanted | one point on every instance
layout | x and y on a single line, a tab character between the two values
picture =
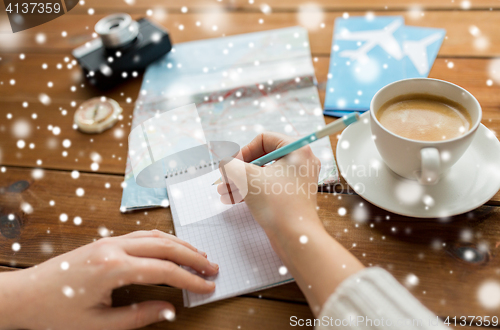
471	182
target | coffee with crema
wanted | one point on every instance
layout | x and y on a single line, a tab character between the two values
424	117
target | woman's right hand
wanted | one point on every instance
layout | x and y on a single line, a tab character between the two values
282	198
271	191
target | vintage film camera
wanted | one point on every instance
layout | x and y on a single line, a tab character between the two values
125	47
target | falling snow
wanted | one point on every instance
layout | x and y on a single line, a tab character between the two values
77	221
342	211
64	265
103	231
16	247
488	294
68	291
411	280
168	315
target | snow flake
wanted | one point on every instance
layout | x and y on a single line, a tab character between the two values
488	294
16	247
465	4
342	211
68	291
411	280
103	231
26	207
40	38
168	314
44	99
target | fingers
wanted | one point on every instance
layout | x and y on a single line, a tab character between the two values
160	234
230	194
167	249
137	315
226	188
233	198
154	271
263	144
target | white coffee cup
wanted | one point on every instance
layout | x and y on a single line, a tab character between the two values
424	161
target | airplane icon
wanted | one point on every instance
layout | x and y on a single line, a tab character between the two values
416	50
383	38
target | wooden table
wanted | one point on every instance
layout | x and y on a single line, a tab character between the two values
431	250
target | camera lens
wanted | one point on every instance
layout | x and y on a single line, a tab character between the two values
117	30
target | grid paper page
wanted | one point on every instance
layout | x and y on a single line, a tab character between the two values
207	198
232	239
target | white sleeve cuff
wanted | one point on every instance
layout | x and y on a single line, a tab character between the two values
374	299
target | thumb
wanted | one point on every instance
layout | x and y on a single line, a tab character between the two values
138	315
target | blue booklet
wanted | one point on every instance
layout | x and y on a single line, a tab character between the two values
371	52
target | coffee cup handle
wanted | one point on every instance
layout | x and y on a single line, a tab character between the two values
431	164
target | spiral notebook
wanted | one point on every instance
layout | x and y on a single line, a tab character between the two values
227	233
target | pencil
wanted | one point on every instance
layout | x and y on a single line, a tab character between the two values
329	129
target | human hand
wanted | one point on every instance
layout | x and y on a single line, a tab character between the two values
73	290
270	191
282	198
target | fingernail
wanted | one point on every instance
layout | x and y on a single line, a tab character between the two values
167	314
210	283
202	253
214	265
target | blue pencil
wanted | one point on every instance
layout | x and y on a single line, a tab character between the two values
329	129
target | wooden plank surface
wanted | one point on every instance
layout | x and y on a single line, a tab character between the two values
279	5
429	249
234	313
472	74
239	313
79	28
432	250
175	6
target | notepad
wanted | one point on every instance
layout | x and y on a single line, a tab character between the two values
230	237
241	86
197	199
